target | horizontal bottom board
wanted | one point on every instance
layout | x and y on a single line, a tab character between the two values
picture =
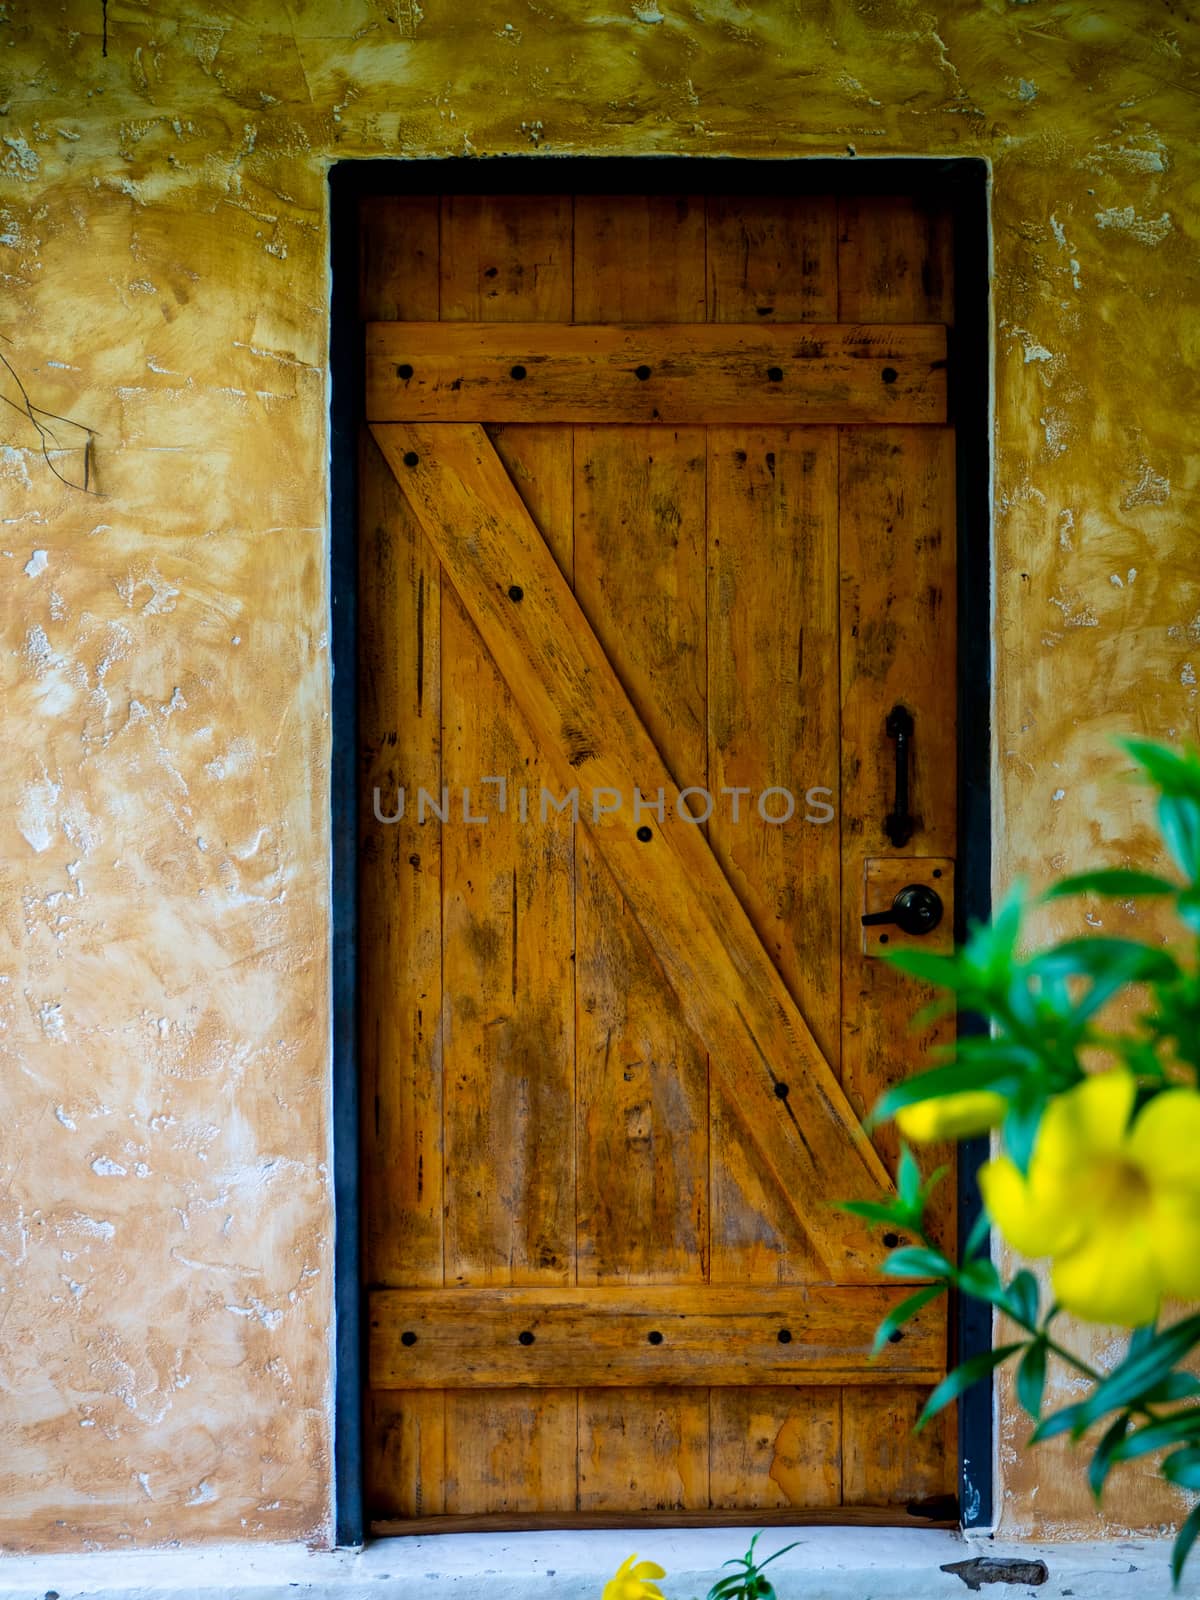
934	1516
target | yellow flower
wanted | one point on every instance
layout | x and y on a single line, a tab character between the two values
953	1116
1115	1205
633	1582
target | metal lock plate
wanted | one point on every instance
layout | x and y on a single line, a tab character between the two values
883	879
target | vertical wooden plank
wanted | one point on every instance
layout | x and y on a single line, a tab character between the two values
897	631
401	963
773	723
884	1462
508	897
772	598
406	1454
639	258
773	696
639	575
522	1457
643	1092
898	555
643	1080
398	255
775	1447
400	884
643	1450
507	1013
773	259
895	260
506	258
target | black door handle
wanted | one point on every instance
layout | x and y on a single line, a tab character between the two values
917	909
898	825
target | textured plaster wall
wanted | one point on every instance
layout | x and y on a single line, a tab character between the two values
164	1058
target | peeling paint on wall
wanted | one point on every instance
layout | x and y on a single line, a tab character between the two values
164	1196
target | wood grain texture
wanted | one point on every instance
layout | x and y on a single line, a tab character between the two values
895	260
507	1453
508	1016
773	722
668	1517
897	631
405	1453
506	258
775	1447
400	654
898	645
643	1077
772	260
400	887
643	1449
508	893
398	256
729	991
590	1149
781	374
885	1462
639	257
707	1334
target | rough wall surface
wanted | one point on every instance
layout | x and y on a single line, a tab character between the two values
164	1196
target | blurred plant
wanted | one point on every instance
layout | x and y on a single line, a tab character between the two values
1100	1169
748	1583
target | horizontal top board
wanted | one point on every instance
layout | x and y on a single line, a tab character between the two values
674	373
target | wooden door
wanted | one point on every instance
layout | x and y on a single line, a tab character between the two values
657	494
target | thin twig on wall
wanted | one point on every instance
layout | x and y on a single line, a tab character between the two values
43	421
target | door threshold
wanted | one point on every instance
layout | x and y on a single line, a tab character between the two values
936	1514
827	1564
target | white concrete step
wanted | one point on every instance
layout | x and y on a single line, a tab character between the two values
828	1564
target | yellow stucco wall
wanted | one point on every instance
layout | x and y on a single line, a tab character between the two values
164	853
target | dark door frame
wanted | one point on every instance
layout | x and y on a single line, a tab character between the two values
965	184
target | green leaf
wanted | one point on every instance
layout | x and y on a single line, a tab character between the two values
727	1588
1021	1126
1057	1422
1179	823
977	1237
1101	1461
899	1315
1183	1468
1187	909
945	972
1141	1339
795	1545
970	1372
1022	1297
1128	1383
1170	771
940	1081
1031	1378
980	1278
1158	1435
1175	1386
908	1178
875	1211
1120	882
1184	1540
931	1183
914	1261
1104	958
